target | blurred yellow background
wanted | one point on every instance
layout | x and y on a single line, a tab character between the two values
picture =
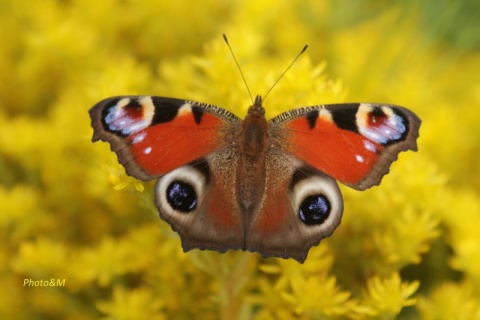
81	240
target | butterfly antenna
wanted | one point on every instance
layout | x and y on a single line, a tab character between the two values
283	73
238	66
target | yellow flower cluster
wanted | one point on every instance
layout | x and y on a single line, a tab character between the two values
82	240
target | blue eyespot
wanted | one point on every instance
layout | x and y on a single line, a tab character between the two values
314	209
181	196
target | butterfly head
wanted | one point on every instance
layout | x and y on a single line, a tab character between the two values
257	107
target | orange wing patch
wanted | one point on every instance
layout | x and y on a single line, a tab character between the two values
342	154
165	146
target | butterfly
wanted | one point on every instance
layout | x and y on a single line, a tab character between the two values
265	186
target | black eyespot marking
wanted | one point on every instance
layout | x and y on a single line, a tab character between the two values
314	209
181	196
312	117
346	116
197	114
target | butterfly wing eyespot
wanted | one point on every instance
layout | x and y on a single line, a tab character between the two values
314	209
317	201
177	193
353	143
181	196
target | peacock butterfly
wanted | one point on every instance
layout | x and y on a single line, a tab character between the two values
266	186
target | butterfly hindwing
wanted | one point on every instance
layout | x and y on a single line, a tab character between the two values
154	135
300	207
353	143
198	203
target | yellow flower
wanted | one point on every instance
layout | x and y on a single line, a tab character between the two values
41	259
133	304
450	301
418	227
120	180
388	296
316	297
101	264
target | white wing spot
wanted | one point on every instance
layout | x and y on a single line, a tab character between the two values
369	146
139	137
147	150
359	158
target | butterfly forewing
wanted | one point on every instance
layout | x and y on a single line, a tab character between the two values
154	135
353	143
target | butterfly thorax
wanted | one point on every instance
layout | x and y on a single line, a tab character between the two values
254	131
251	166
